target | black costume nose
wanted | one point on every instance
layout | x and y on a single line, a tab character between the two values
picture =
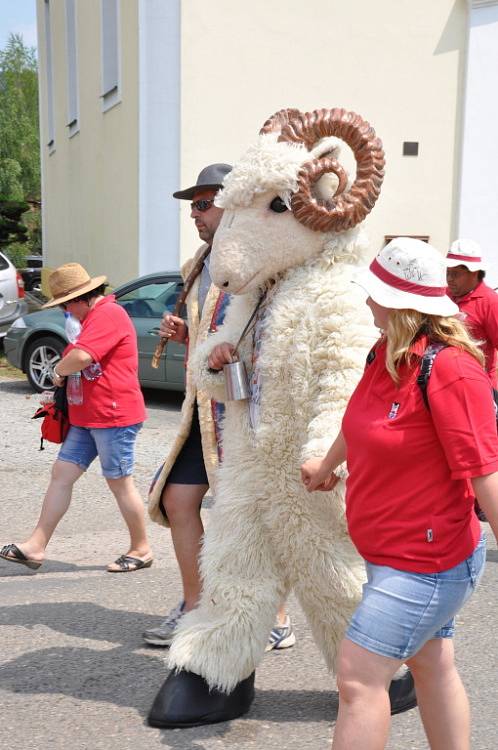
225	283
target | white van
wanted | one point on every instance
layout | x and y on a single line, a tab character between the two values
12	302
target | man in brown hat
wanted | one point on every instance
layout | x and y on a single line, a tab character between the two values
105	418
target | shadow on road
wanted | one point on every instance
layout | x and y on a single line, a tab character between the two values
164	400
10	570
492	555
123	674
83	620
20	386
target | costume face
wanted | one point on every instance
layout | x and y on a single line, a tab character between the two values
461	281
206	222
244	259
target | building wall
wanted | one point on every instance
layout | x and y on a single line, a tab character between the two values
398	63
90	180
479	194
159	134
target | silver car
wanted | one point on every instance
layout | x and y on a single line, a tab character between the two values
12	303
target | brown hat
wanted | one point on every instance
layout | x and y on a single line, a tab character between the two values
70	281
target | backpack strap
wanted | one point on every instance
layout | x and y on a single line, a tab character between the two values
426	365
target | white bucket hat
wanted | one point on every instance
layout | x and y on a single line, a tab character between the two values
408	274
466	253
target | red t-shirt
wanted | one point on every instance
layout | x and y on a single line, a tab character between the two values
409	501
114	399
480	311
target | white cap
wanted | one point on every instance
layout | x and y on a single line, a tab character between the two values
408	274
466	253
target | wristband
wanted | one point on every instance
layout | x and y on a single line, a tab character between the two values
57	374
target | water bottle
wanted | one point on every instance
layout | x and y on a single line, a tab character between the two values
74	388
93	371
72	326
73	330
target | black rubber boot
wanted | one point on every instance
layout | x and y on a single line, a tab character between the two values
402	693
185	700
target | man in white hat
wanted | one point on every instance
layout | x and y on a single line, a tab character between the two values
477	302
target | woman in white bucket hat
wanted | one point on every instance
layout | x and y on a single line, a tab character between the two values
409	501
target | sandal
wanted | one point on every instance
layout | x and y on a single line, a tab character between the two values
12	553
127	564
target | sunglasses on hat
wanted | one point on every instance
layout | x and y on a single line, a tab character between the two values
202	205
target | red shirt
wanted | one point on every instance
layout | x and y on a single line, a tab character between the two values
114	399
480	311
409	503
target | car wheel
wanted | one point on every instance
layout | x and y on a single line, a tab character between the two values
41	356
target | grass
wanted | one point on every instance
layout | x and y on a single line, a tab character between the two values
6	369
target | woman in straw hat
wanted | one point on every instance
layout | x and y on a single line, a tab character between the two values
413	473
105	424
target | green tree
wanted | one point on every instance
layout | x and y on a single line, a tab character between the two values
19	134
19	151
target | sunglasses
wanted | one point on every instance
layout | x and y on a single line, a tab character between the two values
202	205
63	305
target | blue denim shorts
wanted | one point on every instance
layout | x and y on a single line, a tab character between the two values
400	611
115	447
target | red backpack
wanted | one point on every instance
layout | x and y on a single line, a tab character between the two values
55	425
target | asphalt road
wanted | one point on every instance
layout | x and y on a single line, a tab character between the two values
74	672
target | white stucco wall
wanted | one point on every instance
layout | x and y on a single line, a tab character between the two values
90	180
197	82
399	64
159	134
479	189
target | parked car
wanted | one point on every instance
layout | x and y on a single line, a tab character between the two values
31	274
35	342
12	302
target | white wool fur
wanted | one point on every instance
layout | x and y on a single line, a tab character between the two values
267	534
267	165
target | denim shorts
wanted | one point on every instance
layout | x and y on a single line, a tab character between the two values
115	447
400	611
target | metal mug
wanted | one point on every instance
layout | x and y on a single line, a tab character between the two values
236	381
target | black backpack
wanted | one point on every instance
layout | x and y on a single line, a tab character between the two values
426	365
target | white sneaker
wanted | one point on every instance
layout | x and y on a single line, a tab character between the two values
163	634
281	636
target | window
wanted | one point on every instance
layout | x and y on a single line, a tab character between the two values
110	54
151	300
50	79
72	68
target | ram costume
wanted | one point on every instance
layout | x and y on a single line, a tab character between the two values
289	242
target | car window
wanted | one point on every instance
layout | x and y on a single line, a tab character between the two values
4	263
151	300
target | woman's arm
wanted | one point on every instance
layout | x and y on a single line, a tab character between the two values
486	491
318	473
75	361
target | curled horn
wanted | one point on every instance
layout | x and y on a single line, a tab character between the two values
345	209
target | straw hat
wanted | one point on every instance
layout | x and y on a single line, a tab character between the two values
466	253
70	281
408	274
